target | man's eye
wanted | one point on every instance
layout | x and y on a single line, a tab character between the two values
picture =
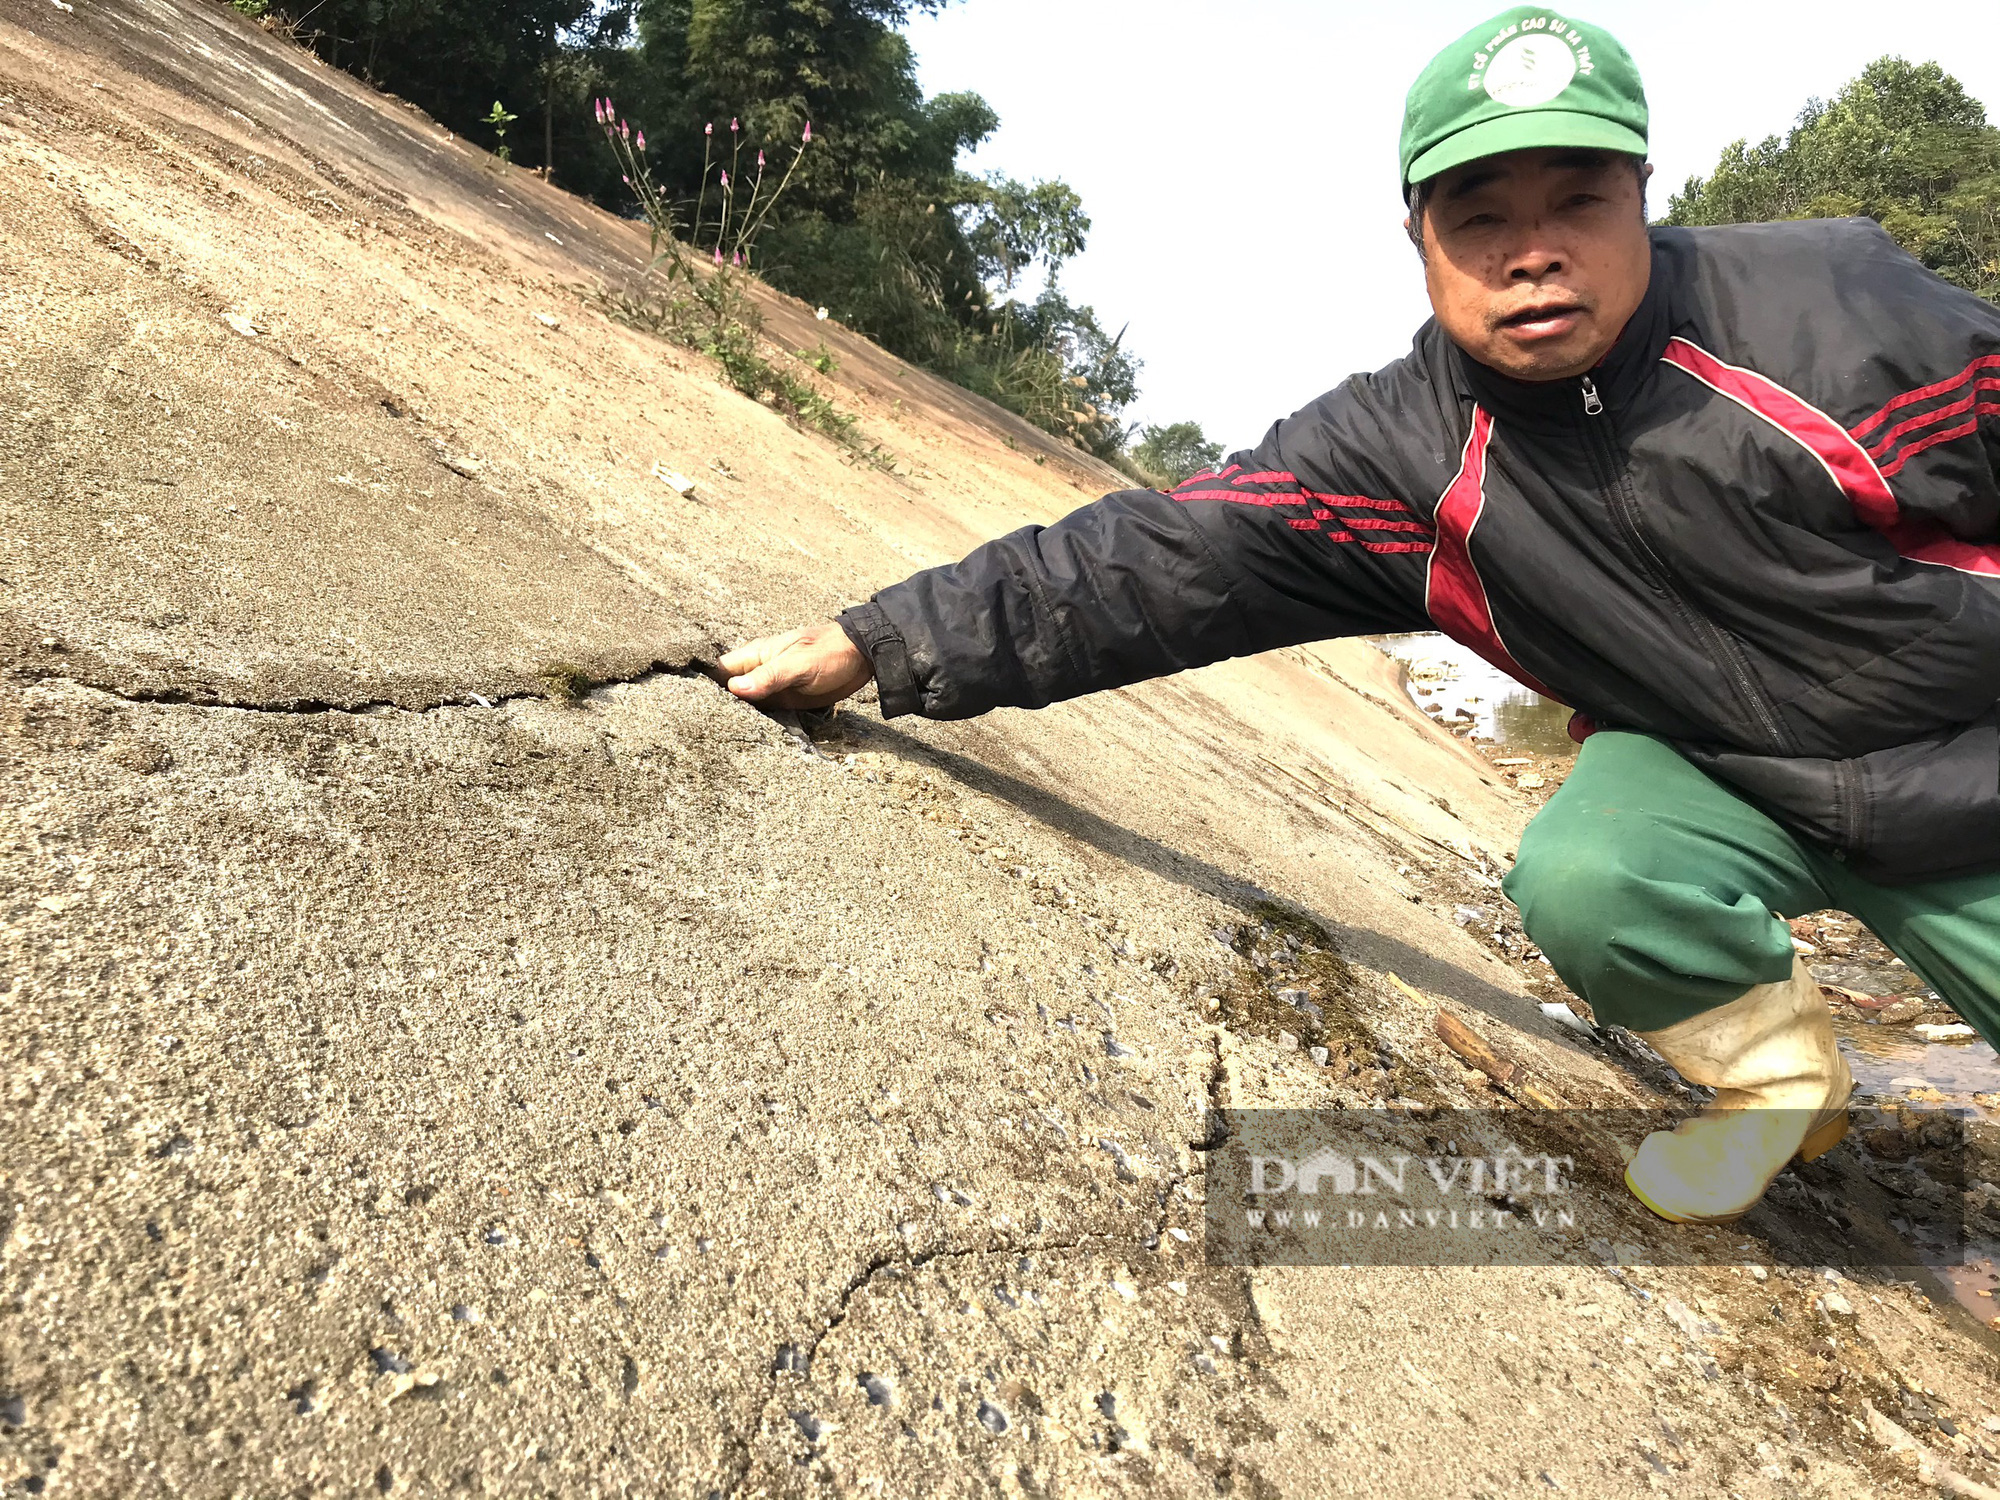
1479	221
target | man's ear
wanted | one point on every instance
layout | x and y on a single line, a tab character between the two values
1646	172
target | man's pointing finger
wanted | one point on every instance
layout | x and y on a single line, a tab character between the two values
758	684
753	654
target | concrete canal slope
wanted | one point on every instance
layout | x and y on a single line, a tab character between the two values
412	1082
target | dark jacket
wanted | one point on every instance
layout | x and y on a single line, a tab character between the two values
1765	528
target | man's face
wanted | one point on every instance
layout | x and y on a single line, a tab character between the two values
1535	259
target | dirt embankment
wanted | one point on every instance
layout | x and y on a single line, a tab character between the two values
413	1082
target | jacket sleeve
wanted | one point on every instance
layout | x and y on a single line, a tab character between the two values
1935	437
1309	535
1906	362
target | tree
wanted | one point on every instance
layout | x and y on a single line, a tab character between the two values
880	224
454	57
1174	452
1903	144
1011	225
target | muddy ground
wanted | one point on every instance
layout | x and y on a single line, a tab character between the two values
452	1047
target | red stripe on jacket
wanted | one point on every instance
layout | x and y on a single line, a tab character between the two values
1454	596
1931	440
1938	388
1971	403
1322	509
1840	453
1296	494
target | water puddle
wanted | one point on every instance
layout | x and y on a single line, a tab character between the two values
1901	1041
1890	1062
1468	695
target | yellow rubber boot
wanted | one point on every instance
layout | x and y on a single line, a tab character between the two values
1781	1091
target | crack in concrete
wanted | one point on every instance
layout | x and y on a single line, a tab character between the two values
1216	1134
802	1357
577	685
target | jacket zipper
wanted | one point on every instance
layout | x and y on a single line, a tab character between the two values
1630	517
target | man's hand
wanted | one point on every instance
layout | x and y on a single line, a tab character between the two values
807	668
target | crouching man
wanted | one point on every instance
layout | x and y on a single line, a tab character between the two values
1729	492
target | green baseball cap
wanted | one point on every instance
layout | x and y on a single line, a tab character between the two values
1527	78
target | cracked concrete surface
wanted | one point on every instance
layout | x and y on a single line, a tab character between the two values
410	1084
527	1037
237	527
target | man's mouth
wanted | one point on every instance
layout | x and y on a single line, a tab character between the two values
1545	321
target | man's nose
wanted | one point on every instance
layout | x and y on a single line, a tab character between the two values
1534	264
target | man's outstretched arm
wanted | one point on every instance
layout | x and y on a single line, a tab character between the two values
1300	540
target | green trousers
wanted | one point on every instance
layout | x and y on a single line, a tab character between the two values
1658	893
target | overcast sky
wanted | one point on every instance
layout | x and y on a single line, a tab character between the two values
1238	157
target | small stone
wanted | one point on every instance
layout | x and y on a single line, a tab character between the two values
674	480
1691	1324
1287	1042
414	1380
1319	1055
1902	1012
992	1418
1954	1033
1837	1308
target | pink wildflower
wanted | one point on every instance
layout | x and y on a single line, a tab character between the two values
739	257
709	128
725	179
625	129
760	161
642	141
809	131
734	127
598	106
718	255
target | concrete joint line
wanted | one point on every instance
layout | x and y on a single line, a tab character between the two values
693	667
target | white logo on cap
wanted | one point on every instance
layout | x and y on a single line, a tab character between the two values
1530	70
